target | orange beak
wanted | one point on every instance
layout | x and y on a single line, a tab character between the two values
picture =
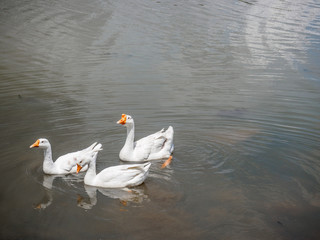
78	168
36	144
123	119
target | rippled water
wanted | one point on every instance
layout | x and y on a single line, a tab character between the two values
238	80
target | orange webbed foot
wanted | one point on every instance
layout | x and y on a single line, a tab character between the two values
167	162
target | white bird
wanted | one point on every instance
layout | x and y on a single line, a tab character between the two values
121	176
155	146
66	163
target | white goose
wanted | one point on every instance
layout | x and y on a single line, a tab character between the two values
66	163
155	146
121	176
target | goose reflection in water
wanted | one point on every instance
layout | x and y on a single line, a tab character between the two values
125	195
134	195
48	185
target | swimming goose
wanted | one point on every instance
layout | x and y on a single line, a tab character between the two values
127	175
66	163
155	146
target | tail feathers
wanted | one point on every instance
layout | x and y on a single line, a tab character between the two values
95	147
94	151
98	147
143	167
91	146
140	178
169	136
168	145
172	148
140	173
169	132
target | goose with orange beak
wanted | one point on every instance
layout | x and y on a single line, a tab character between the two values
155	146
121	176
67	163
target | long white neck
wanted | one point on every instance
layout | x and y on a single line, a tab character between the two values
91	173
130	138
127	150
48	164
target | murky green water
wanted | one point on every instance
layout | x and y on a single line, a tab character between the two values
238	80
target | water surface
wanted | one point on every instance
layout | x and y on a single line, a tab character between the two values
238	80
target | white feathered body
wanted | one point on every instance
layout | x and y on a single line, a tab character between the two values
64	164
155	146
120	176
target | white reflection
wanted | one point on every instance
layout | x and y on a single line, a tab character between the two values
48	185
135	195
279	29
48	198
125	195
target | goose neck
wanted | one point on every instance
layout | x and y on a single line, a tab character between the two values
91	173
130	136
48	164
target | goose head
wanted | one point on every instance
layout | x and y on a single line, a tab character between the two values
41	143
125	120
81	162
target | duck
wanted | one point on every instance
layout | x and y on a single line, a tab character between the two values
67	163
155	146
119	176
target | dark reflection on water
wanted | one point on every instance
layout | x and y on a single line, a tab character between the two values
238	81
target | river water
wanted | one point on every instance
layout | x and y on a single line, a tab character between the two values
238	80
